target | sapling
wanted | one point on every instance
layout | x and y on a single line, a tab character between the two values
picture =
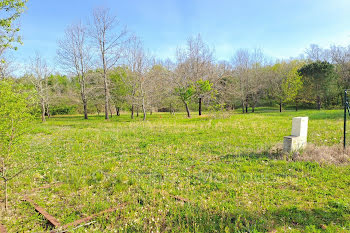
14	123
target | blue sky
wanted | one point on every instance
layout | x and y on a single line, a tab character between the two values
282	28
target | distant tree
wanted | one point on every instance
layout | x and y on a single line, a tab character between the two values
119	87
256	81
185	94
109	39
160	92
318	77
194	63
75	57
139	65
341	59
15	120
226	86
38	76
241	71
63	94
285	81
314	53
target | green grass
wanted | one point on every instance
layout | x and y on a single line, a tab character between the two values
220	162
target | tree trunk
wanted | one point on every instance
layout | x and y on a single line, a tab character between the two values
48	111
170	109
110	110
6	197
243	107
132	111
318	103
200	106
296	105
342	98
253	108
43	111
187	110
246	108
137	112
106	93
98	110
85	110
143	109
280	106
83	96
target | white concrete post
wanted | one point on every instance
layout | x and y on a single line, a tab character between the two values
298	139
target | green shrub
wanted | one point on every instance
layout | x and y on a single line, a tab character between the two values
63	110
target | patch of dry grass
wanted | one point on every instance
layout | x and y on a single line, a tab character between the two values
325	154
335	154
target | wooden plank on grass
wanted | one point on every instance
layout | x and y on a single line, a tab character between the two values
86	219
2	229
52	220
46	186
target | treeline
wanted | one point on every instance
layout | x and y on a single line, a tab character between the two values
108	71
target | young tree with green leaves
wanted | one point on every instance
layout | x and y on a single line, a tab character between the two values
15	120
119	87
10	12
185	94
285	81
203	88
194	62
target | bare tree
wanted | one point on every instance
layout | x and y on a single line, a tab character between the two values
39	77
109	38
256	80
75	56
7	65
193	64
225	85
341	56
138	65
240	61
315	53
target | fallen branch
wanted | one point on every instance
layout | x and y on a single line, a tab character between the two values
178	198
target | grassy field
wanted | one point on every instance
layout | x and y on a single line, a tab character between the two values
221	164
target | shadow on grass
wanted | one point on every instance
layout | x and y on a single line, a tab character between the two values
193	218
198	219
319	218
312	114
253	155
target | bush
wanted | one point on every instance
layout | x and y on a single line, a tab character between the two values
63	110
